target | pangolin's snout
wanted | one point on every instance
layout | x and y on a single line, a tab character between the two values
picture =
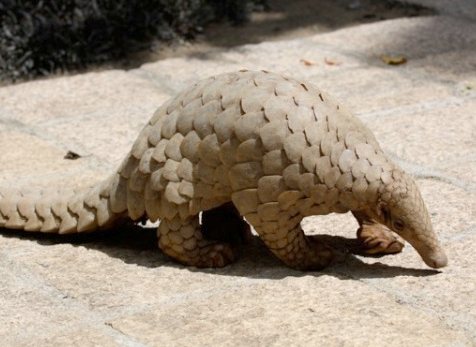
436	259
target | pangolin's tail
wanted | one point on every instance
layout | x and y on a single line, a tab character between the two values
63	211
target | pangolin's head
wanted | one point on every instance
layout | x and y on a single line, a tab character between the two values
401	208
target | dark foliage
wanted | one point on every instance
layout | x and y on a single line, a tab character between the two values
39	37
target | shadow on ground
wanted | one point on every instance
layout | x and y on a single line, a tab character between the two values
286	20
134	244
282	20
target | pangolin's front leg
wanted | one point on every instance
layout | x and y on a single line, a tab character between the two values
281	231
375	238
294	248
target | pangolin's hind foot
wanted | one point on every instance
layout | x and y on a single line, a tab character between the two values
214	254
376	239
182	240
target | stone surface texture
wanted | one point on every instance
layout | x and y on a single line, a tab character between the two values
116	289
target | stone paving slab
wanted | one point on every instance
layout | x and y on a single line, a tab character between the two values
251	323
429	131
116	289
77	96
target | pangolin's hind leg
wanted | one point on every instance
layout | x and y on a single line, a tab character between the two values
375	238
225	224
181	238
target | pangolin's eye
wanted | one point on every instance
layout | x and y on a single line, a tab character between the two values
398	224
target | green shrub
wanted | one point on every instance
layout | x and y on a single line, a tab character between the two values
44	36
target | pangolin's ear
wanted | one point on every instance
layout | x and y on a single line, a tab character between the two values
383	212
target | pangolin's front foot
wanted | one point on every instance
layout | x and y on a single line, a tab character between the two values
376	239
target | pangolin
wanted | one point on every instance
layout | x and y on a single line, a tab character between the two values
251	144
